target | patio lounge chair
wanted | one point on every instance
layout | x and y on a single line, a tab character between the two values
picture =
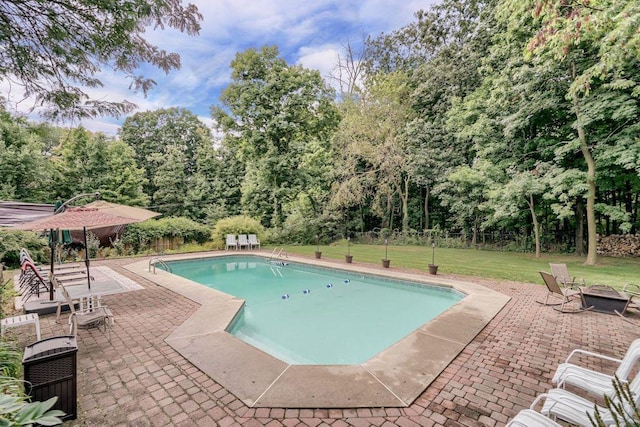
561	273
597	383
531	418
243	241
31	281
574	409
253	241
555	290
231	242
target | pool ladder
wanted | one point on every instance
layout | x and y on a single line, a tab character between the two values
155	261
277	254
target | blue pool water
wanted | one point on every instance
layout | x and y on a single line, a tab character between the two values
315	316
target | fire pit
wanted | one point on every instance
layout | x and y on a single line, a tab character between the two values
604	299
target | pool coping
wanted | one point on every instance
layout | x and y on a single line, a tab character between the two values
393	378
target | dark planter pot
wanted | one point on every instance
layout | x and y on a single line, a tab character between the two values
318	254
386	262
348	258
433	269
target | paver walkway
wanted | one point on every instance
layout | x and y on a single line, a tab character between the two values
138	380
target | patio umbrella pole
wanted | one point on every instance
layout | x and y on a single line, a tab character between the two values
86	256
53	257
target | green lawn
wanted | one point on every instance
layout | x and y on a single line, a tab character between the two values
483	263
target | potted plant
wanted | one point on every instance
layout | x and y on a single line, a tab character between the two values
348	256
433	268
318	253
386	262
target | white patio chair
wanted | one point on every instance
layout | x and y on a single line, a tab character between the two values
574	409
594	382
531	418
253	241
91	314
231	242
243	242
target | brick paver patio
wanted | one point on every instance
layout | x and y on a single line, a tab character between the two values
138	380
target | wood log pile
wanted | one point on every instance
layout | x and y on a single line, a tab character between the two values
619	245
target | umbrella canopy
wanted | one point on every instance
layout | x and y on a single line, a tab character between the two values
125	211
76	219
83	218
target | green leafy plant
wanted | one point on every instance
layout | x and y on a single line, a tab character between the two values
93	244
11	241
10	361
16	411
623	408
142	235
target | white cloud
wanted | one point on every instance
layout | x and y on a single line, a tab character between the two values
310	33
323	58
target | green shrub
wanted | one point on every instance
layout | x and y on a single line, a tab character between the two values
143	234
235	225
11	241
10	367
93	245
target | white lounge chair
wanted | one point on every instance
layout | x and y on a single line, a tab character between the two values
574	409
531	418
253	241
561	273
231	242
243	242
597	383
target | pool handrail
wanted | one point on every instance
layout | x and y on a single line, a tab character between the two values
154	261
279	254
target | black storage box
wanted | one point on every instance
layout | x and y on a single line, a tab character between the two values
50	370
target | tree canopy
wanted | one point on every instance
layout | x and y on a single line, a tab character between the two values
481	119
54	50
275	116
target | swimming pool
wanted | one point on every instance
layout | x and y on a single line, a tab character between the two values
308	315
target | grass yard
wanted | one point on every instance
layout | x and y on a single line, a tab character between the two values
521	267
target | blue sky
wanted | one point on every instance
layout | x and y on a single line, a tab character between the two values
310	33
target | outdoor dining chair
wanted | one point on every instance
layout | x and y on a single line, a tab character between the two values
90	314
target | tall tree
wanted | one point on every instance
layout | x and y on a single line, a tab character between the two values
55	49
585	40
170	182
26	174
441	52
88	162
151	133
124	180
373	148
273	114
